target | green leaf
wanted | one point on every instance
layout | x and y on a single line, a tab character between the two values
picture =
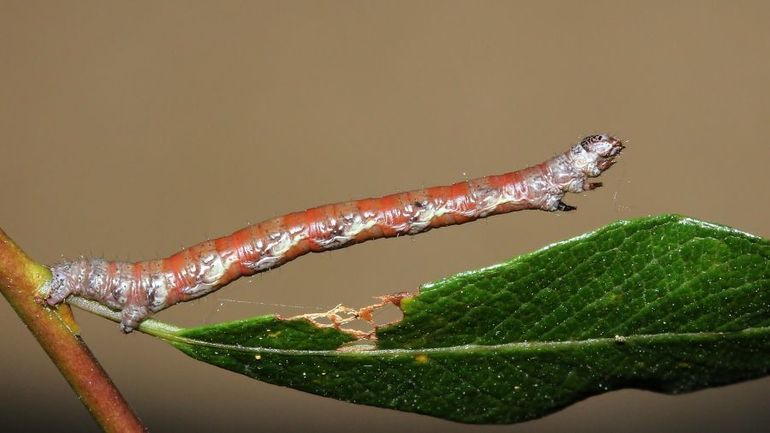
665	303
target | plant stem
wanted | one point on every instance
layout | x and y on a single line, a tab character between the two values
20	278
152	327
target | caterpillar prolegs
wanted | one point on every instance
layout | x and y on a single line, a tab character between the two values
142	288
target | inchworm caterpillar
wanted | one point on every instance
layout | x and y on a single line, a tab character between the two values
142	288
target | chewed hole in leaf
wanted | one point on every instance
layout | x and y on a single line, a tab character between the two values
323	321
359	326
387	314
361	323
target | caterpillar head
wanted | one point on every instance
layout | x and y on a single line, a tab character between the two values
597	153
602	145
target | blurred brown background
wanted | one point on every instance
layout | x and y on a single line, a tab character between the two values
130	130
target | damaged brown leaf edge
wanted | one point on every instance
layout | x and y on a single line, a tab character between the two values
341	316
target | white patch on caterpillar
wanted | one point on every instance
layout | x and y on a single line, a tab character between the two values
421	217
158	292
340	231
97	281
124	286
198	290
358	225
211	269
273	253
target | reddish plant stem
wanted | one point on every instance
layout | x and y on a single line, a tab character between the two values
20	278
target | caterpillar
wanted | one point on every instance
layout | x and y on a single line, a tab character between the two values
143	288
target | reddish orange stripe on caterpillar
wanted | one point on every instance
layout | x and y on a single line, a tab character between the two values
142	288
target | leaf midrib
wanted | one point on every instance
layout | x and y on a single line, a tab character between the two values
523	346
